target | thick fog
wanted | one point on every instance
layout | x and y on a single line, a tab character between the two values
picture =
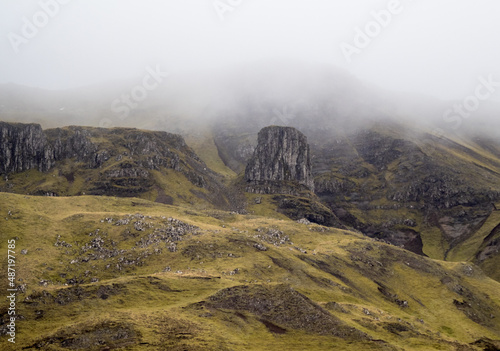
433	47
426	59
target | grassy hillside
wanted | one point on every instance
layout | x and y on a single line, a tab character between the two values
126	273
470	247
482	248
206	149
390	180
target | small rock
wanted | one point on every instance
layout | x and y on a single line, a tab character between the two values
301	250
260	247
468	270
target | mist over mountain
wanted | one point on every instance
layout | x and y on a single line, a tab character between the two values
250	175
277	92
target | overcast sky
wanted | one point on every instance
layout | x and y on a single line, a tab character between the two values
436	47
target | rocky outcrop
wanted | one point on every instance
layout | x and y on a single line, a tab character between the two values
309	209
74	143
24	147
280	163
27	146
281	308
115	162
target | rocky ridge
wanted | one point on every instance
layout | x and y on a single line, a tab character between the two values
113	162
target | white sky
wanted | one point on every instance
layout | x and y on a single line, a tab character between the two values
436	47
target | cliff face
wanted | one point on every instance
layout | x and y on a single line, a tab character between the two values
116	162
24	147
93	146
280	160
27	146
74	143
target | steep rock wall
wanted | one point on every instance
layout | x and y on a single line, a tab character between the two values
280	160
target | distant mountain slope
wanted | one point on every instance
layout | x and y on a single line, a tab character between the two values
482	247
392	181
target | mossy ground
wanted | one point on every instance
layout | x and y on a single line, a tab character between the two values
147	306
206	149
467	250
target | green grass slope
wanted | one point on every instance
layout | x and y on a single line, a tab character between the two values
469	249
103	273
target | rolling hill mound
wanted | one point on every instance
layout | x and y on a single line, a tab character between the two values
127	273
